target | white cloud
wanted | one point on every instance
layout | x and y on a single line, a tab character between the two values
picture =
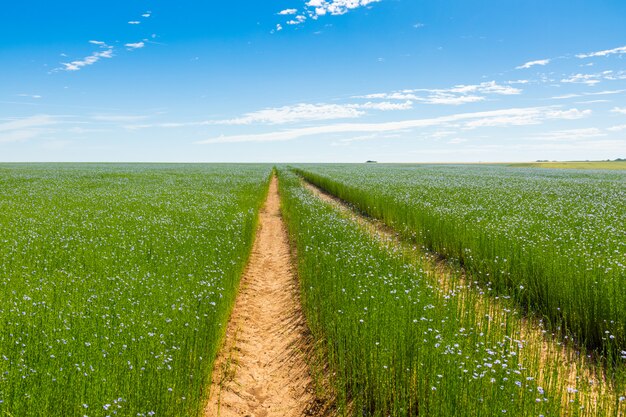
134	22
297	20
593	101
504	117
571	114
298	113
35	96
589	79
19	135
489	87
384	106
337	7
620	110
392	96
565	96
136	45
596	93
312	112
571	134
603	93
440	134
617	128
26	128
77	65
28	122
533	63
459	94
450	99
147	14
117	118
526	117
606	52
313	9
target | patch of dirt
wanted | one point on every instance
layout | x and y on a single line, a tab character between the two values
262	369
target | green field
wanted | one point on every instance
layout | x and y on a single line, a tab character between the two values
116	283
611	165
553	239
398	345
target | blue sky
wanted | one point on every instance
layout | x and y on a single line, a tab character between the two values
312	81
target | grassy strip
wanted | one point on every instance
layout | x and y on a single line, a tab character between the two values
117	282
396	345
550	240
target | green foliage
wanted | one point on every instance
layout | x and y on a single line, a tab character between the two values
397	345
117	282
554	240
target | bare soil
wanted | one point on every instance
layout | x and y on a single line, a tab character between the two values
262	369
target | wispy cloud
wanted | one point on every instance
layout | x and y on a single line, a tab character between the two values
620	110
114	118
26	128
136	45
596	78
385	106
35	96
457	95
617	128
615	51
571	134
299	113
288	12
595	93
504	117
105	53
526	117
534	63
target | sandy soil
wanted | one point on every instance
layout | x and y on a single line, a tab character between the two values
262	369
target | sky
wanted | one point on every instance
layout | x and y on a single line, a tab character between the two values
312	80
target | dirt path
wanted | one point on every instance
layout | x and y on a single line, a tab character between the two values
262	370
